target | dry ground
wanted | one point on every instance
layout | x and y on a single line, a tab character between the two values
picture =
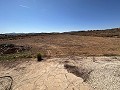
45	75
70	73
69	68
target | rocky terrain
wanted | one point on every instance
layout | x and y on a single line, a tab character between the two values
70	73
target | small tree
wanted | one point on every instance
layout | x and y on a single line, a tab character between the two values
39	57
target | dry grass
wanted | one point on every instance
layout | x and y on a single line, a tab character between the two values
69	45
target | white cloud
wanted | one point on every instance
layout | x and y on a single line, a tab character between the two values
24	6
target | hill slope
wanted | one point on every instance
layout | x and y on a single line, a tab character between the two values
101	33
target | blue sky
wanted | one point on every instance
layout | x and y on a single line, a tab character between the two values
58	15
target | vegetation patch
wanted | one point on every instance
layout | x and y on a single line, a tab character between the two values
39	57
11	48
15	56
12	52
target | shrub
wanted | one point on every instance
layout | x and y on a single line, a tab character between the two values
39	57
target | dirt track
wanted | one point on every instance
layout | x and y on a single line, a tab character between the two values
82	73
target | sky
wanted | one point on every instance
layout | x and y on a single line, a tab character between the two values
30	16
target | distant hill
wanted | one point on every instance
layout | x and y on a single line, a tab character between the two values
115	32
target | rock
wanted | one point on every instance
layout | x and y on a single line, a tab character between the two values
6	83
11	48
